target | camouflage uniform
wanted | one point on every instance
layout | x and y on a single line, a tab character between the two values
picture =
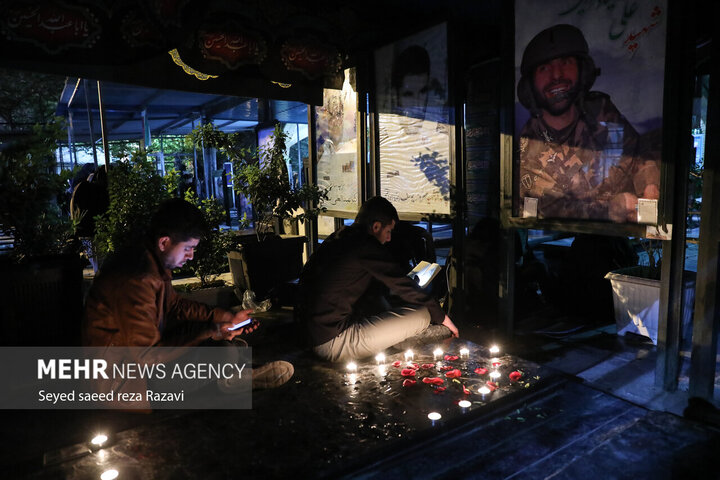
575	172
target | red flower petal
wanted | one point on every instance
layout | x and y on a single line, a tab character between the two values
465	390
451	358
446	368
397	364
416	366
426	366
491	385
440	389
454	373
408	382
433	380
407	372
515	376
496	364
481	371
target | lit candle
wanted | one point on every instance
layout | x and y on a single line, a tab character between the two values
434	417
437	353
494	349
109	474
483	391
352	378
382	369
464	352
495	375
99	440
464	404
380	358
409	355
352	367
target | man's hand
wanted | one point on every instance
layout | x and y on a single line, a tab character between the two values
449	324
222	329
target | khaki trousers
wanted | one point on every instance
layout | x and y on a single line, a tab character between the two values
374	334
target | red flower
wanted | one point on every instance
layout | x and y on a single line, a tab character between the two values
454	373
407	372
433	380
446	368
481	371
515	376
465	390
451	358
439	390
396	364
408	382
426	366
496	364
413	366
491	385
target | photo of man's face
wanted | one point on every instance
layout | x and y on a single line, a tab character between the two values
555	84
413	91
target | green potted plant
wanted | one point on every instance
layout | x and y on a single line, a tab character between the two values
42	275
210	259
260	174
135	189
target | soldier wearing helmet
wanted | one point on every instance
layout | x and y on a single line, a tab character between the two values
578	155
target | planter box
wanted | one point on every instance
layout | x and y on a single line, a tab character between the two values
42	302
214	296
637	302
264	266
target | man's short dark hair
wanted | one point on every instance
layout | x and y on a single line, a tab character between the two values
376	209
179	220
414	60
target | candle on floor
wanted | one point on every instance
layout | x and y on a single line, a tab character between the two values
494	349
437	353
409	355
464	352
434	417
483	391
494	375
380	358
352	367
464	404
99	440
109	474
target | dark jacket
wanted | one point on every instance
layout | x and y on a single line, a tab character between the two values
335	283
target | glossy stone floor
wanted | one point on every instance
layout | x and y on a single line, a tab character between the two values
325	424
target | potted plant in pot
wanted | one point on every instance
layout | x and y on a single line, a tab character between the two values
210	258
42	275
268	258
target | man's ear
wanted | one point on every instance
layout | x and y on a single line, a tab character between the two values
163	243
376	227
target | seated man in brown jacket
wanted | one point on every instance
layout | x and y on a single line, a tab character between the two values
132	301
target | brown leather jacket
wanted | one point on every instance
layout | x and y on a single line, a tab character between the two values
132	303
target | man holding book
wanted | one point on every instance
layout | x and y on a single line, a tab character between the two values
343	288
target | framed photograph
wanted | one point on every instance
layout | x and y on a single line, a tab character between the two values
414	122
589	80
337	146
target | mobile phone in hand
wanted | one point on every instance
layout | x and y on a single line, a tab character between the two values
241	324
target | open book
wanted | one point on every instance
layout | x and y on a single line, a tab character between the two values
424	272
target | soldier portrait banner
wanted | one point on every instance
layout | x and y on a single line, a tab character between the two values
589	80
